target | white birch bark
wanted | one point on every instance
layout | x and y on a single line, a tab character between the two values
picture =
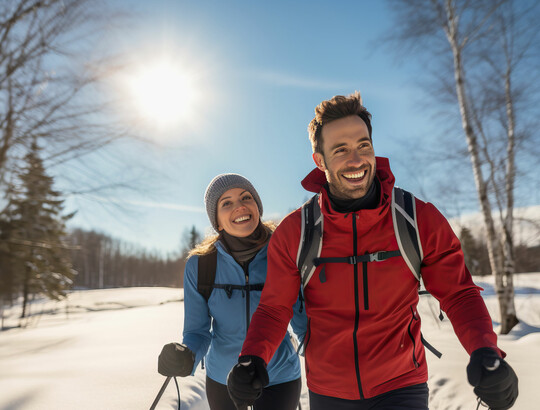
502	265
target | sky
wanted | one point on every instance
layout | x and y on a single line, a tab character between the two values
254	72
99	350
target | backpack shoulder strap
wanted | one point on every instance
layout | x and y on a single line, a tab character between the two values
206	271
408	239
311	238
406	230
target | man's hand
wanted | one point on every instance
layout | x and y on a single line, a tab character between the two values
494	381
175	359
246	381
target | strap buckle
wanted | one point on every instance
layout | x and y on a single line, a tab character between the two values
376	257
352	260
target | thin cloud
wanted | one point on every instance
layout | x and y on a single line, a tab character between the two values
173	207
151	204
289	80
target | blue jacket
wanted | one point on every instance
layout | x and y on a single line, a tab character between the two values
217	329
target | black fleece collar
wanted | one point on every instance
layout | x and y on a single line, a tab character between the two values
368	201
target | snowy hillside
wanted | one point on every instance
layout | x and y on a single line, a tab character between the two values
526	225
99	351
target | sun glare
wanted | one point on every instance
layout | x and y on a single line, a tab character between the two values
163	94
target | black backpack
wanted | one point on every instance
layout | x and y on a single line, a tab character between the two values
206	271
405	228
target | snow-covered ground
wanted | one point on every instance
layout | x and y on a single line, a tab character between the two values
99	351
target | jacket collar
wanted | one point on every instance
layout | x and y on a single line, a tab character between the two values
222	249
316	179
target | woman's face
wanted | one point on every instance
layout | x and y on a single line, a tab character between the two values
237	213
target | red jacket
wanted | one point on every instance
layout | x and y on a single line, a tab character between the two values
363	336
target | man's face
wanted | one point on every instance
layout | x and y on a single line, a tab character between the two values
348	158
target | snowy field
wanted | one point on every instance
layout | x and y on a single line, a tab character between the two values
99	350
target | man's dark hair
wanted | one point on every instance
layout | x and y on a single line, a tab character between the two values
334	109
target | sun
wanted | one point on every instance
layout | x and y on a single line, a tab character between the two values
163	93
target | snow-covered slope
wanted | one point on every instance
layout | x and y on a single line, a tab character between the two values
99	351
526	225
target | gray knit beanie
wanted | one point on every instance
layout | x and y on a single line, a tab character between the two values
221	184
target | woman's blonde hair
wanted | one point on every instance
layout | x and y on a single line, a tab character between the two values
208	244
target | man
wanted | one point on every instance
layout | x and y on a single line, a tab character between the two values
363	345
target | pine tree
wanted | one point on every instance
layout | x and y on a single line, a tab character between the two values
470	249
40	256
190	239
476	253
7	286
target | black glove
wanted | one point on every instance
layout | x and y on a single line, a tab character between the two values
494	381
246	380
175	359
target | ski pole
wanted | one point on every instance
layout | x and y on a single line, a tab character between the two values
160	393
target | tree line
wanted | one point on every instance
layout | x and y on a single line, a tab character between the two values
104	262
38	256
475	249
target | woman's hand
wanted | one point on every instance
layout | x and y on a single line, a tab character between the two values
175	359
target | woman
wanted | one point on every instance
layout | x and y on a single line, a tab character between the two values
215	328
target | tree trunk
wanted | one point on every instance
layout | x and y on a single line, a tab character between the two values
495	257
101	273
504	282
2	312
26	291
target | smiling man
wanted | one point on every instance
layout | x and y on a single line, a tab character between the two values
363	346
346	156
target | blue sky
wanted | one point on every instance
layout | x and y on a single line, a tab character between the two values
260	68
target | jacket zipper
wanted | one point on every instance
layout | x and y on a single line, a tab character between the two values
365	277
357	311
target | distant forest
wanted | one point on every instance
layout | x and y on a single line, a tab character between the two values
104	262
527	258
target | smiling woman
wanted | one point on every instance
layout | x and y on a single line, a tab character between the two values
163	93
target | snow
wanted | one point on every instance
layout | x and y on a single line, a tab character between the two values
526	224
99	350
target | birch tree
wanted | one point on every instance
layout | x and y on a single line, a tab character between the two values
485	43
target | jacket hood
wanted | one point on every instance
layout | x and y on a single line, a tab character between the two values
316	179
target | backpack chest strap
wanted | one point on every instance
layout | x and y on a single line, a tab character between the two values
244	288
353	260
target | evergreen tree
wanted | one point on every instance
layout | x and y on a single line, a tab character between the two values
39	253
190	239
194	237
7	285
473	251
